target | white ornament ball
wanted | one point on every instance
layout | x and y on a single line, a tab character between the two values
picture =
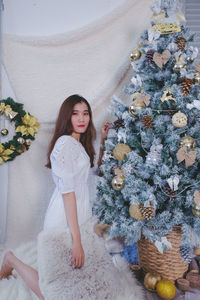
179	119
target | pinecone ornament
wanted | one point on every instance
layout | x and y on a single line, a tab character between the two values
170	192
186	253
149	56
147	121
181	41
119	123
148	212
186	86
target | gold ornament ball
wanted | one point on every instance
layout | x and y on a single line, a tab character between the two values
179	65
28	142
179	119
188	142
4	131
135	213
197	77
118	183
166	289
120	151
196	210
135	55
136	105
151	280
21	140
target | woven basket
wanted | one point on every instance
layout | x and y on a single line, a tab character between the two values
169	264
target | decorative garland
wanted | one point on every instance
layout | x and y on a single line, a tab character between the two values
26	126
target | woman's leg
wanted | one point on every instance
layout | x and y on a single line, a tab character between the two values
28	274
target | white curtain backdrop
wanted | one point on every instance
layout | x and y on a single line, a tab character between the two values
92	61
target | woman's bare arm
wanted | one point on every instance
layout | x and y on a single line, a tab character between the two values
72	219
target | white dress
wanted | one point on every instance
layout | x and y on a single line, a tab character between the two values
70	169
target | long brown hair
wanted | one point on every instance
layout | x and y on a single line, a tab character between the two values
64	127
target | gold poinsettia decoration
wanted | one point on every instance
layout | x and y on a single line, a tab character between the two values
4	154
30	126
5	109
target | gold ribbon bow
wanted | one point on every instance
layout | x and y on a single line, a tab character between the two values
5	109
4	154
188	156
197	197
143	98
161	59
30	126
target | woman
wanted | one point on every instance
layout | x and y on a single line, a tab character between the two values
71	154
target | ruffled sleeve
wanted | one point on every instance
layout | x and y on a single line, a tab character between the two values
62	164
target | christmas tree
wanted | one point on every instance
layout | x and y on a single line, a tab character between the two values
150	179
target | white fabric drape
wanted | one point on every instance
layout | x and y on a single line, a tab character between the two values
43	71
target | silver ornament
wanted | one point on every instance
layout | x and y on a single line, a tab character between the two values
21	140
28	142
4	131
118	183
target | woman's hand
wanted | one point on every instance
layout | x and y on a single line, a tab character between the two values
78	255
104	130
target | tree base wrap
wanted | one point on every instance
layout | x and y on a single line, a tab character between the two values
169	264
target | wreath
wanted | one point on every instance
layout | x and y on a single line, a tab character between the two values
26	126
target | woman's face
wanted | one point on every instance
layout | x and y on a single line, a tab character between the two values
80	117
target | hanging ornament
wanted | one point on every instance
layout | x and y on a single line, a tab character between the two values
151	280
161	59
4	131
118	183
148	212
21	140
12	115
197	77
135	55
166	289
187	142
167	28
149	56
181	41
118	124
147	121
188	156
196	210
179	119
28	142
186	86
197	197
141	102
135	212
120	151
186	253
167	95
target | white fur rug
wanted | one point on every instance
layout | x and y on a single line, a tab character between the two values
98	279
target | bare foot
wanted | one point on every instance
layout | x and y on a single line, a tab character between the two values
6	268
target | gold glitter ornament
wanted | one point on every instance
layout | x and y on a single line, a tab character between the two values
196	210
135	213
167	28
179	119
188	142
120	151
151	280
197	77
135	55
4	131
118	183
